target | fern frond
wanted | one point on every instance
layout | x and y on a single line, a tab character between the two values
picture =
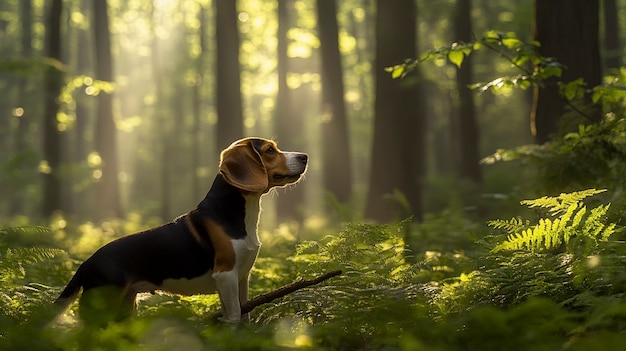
30	255
572	219
560	204
513	225
24	229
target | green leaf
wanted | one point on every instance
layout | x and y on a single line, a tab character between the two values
512	43
396	71
524	83
456	57
571	89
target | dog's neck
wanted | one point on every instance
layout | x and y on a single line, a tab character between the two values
238	209
253	213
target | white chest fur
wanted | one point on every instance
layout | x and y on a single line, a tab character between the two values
247	249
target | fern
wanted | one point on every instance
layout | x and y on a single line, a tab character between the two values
512	226
572	220
563	202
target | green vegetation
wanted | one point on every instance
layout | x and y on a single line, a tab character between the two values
478	272
510	285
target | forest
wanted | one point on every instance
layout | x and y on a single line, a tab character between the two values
466	167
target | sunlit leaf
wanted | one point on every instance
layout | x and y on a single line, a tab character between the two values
456	57
397	71
512	43
524	84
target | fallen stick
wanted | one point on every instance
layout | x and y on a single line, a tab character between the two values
280	292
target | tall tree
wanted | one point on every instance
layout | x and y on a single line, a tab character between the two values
337	174
229	108
197	102
21	146
612	47
84	110
163	140
576	47
108	192
51	134
468	159
286	120
398	147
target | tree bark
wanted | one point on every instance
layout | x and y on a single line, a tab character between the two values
280	292
286	119
107	191
568	31
398	147
52	136
84	114
469	166
197	105
16	206
612	47
337	175
163	144
229	109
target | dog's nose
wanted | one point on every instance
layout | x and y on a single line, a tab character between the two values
303	158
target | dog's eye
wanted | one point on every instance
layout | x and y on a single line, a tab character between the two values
270	150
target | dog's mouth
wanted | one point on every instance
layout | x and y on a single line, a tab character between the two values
287	177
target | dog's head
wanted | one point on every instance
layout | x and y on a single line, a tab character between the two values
256	165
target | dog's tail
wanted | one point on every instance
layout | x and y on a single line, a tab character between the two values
70	293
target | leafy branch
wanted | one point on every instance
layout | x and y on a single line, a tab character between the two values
534	69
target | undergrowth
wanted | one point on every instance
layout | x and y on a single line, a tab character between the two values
550	282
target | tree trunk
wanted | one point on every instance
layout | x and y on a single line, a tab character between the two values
469	167
612	47
17	192
337	176
84	116
51	133
196	133
286	120
229	109
107	193
398	148
162	140
568	31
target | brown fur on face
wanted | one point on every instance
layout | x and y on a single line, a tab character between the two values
257	165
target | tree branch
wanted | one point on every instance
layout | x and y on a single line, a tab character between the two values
280	292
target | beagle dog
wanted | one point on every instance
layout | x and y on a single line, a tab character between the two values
210	249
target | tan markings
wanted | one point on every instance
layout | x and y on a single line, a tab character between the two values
243	167
250	170
192	229
222	243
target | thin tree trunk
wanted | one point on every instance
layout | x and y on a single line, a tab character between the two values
469	167
108	193
52	137
286	120
197	105
163	144
84	114
612	47
337	174
229	108
26	15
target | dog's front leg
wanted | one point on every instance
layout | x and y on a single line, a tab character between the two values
243	294
228	290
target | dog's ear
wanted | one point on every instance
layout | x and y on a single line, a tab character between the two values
242	166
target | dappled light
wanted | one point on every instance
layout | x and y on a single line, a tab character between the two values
454	179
